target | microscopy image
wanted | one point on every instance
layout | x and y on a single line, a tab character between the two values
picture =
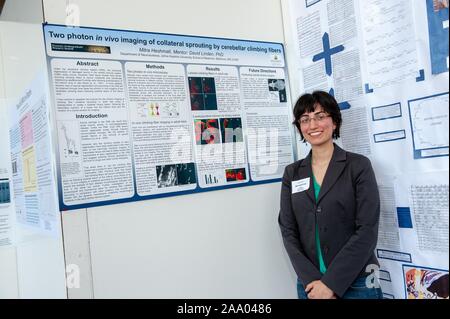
166	176
231	130
197	102
209	85
5	195
207	131
235	174
202	93
175	175
195	86
210	101
186	174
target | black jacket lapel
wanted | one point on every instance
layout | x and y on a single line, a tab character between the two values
334	170
305	171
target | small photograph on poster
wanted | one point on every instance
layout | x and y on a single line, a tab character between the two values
175	175
231	130
210	102
186	174
81	48
437	14
155	110
425	283
439	5
202	93
5	195
207	131
209	86
195	85
69	140
235	174
166	175
197	102
277	89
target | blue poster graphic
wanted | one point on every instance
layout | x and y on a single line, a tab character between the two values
437	12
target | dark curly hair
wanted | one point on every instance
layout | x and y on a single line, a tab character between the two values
306	104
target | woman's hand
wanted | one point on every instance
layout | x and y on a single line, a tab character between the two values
318	290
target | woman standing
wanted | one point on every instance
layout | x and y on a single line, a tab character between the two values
330	209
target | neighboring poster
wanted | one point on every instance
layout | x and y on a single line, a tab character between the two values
373	56
143	115
425	283
6	207
32	161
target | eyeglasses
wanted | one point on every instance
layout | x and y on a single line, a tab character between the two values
318	117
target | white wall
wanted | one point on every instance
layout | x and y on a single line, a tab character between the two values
34	266
221	244
27	11
8	264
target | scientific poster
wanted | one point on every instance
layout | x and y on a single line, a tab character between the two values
6	201
143	115
386	62
32	159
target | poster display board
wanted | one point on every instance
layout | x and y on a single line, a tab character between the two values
386	63
140	115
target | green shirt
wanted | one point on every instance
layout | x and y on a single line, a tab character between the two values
323	268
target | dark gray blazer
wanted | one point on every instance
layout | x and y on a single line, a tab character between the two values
347	214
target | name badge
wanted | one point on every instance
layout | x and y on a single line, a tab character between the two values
300	185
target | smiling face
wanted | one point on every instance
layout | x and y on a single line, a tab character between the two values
319	129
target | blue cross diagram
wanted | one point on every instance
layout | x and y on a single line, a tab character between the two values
343	105
327	53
